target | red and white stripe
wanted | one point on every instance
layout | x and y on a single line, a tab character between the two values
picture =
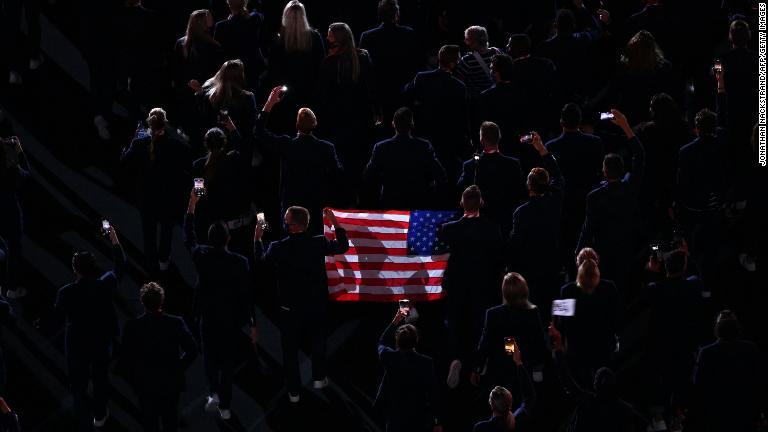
377	266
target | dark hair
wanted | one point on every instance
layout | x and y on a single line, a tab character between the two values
299	215
519	45
218	234
739	33
388	10
613	165
215	139
514	291
491	132
565	22
349	62
471	198
84	264
403	120
538	180
152	296
642	54
675	261
406	337
448	54
727	325
571	116
705	122
157	119
664	109
502	64
604	383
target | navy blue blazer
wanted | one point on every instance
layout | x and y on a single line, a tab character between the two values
396	55
405	169
157	349
300	261
223	300
611	212
90	319
536	225
501	181
408	389
524	325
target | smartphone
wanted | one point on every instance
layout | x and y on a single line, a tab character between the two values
509	345
656	251
141	131
283	89
718	67
199	187
261	221
606	116
525	139
105	226
405	306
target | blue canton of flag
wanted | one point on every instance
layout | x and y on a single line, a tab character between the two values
422	232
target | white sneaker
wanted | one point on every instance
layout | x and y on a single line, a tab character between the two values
101	422
225	414
321	384
102	127
164	265
454	373
19	292
294	398
14	78
35	63
212	403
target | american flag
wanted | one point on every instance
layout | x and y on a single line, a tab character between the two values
392	255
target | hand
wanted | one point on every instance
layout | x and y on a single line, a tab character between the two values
555	337
112	234
328	214
193	199
621	121
258	233
538	144
195	85
17	145
275	96
654	265
719	77
378	119
254	334
399	317
228	124
604	16
517	356
4	408
474	378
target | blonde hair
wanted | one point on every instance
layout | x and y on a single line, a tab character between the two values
500	399
296	32
585	254
197	29
157	119
228	81
306	121
514	290
588	276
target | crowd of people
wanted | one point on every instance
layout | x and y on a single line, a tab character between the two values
596	156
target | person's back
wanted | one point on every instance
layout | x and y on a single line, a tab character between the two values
240	38
310	168
591	332
404	167
522	323
502	104
501	180
580	157
476	250
700	175
152	341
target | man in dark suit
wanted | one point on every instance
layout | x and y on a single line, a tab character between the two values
729	381
302	290
536	224
441	106
580	157
533	79
498	176
222	305
677	316
404	170
739	66
309	167
240	38
610	223
472	277
408	390
157	350
90	326
396	54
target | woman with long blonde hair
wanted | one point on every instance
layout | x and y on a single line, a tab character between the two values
294	60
